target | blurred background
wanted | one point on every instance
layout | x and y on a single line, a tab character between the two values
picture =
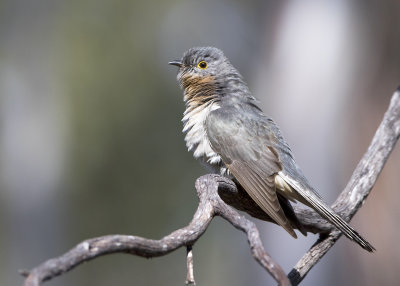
91	143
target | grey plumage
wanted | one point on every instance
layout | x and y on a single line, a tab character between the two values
227	130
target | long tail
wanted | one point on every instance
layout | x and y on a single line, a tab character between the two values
327	213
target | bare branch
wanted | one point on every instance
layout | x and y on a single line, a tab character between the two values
216	193
359	186
210	205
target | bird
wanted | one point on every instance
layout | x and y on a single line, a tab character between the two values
228	132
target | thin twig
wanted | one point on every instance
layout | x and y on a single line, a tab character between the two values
189	265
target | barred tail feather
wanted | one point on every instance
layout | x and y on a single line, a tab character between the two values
342	225
327	213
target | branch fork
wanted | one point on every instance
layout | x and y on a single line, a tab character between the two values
217	195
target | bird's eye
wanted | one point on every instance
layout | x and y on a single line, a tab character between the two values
202	65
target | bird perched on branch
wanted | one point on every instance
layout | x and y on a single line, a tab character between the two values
227	131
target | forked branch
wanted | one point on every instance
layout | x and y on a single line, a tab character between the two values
210	205
216	194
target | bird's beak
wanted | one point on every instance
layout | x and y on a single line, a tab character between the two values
177	63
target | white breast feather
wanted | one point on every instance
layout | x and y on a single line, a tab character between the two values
196	136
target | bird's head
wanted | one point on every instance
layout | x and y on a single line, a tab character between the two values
205	71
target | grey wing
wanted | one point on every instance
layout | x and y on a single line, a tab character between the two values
254	151
245	146
297	187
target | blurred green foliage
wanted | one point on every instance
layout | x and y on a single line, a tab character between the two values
90	131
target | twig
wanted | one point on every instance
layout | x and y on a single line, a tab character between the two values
189	265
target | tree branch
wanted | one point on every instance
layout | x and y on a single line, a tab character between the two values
216	193
210	205
359	186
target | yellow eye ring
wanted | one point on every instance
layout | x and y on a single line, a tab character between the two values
202	65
